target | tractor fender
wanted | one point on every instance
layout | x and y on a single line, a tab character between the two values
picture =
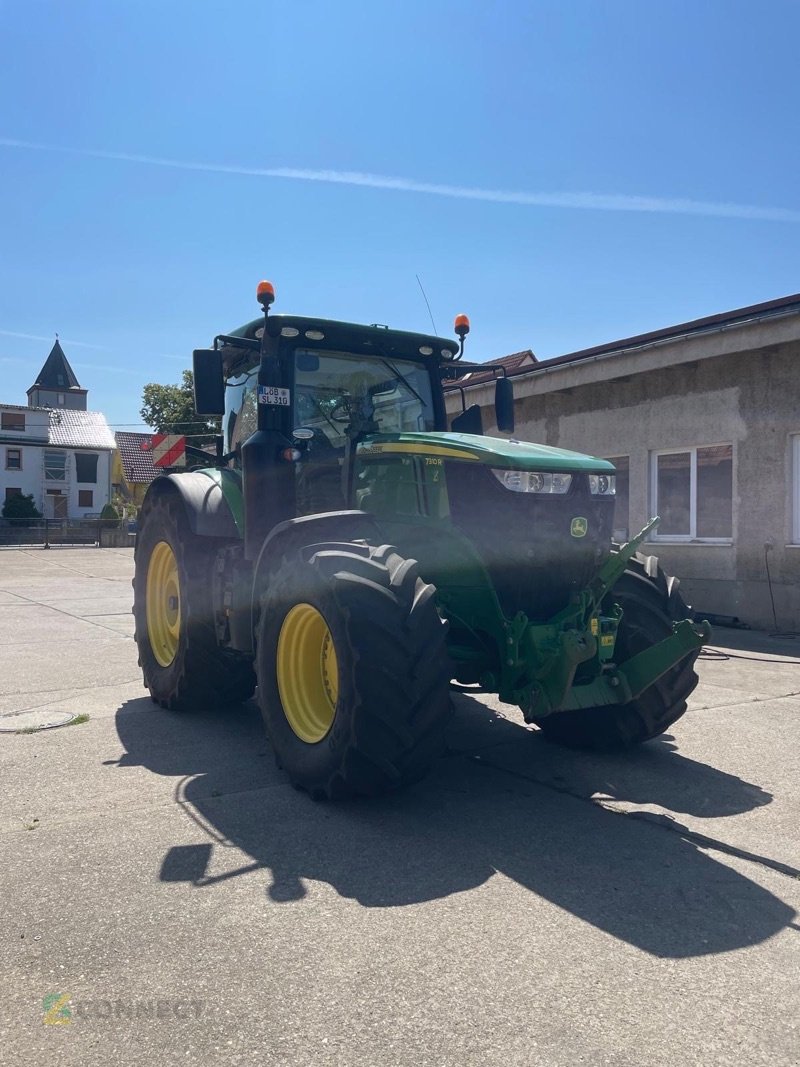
209	498
287	538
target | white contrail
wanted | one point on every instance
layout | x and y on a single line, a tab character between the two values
107	367
583	201
51	339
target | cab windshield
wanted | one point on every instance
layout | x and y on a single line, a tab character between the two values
337	390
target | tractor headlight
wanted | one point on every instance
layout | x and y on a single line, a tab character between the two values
534	481
602	484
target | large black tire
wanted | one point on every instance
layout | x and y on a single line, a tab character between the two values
391	703
651	602
201	674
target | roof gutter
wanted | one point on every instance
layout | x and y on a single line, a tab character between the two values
548	366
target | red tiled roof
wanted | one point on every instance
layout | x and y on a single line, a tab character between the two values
474	374
516	359
136	457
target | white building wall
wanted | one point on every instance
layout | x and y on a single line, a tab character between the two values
100	489
29	478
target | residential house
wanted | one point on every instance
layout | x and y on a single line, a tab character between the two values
54	449
517	361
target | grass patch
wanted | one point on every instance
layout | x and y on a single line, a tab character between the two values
37	729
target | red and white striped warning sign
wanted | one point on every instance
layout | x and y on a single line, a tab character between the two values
169	450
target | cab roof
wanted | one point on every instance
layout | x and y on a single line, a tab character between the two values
398	342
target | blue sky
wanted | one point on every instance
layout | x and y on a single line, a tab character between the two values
577	109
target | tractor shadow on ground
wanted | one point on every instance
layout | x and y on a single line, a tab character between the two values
502	801
655	773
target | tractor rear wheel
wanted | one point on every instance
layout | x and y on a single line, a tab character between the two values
651	602
353	671
184	668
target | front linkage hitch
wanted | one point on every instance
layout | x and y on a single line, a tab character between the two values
542	659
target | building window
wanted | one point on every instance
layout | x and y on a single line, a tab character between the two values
85	498
86	467
61	400
13	459
12	420
12	491
621	507
692	492
55	466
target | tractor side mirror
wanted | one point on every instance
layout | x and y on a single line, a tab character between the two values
504	405
209	383
469	421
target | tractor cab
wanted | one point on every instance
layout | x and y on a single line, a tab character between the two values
298	395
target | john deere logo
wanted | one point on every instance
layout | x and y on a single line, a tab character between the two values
579	527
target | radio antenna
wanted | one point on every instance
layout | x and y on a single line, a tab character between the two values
427	305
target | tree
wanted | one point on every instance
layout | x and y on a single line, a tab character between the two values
109	517
170	409
21	506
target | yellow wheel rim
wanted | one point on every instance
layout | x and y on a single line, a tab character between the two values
308	673
163	604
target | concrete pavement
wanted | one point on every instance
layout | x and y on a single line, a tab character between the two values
523	905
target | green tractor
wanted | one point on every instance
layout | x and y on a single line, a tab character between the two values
354	559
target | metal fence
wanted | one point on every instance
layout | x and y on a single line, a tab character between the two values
47	533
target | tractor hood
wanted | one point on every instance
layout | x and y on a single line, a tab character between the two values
495	452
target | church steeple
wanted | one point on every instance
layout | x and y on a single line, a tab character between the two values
56	385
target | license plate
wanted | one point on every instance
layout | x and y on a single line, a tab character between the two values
275	397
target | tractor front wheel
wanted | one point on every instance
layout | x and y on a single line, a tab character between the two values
650	602
353	671
184	668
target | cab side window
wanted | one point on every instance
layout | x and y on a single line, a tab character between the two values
241	409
